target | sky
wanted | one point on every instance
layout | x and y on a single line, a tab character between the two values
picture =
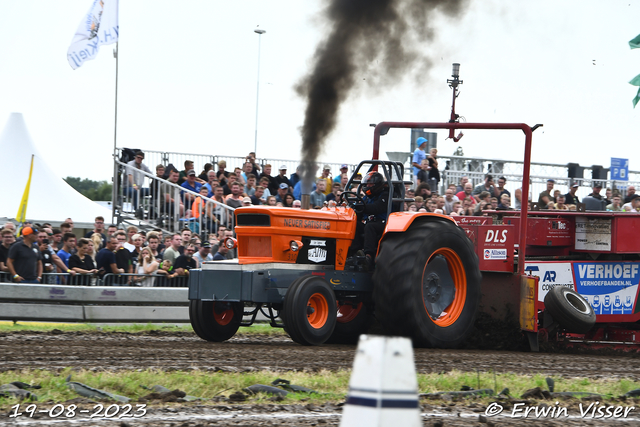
188	72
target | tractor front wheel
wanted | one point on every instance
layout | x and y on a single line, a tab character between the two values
309	311
215	320
427	284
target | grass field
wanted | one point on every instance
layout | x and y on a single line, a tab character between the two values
331	386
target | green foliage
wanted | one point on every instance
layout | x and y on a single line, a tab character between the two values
93	190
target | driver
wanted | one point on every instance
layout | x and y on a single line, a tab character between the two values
372	215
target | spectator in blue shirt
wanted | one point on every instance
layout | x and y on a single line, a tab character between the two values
190	184
68	246
418	156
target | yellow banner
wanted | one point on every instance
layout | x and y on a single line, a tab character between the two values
21	216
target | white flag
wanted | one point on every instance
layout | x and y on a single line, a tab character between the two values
99	26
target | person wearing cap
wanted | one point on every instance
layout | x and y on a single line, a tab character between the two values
545	197
344	169
282	176
595	193
326	176
246	201
204	253
190	184
188	165
23	259
283	189
418	156
594	201
570	197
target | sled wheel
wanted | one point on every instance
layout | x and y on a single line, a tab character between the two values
427	284
215	320
309	311
570	310
353	320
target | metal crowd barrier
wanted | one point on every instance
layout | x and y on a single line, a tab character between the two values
62	303
147	204
144	280
110	279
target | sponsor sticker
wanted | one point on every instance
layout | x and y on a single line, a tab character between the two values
495	253
610	287
593	234
317	254
551	274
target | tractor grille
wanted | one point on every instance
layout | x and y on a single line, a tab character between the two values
259	220
254	246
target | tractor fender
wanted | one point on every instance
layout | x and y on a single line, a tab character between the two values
399	222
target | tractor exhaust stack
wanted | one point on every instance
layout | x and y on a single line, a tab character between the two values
305	201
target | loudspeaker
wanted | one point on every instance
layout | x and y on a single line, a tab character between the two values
598	172
575	170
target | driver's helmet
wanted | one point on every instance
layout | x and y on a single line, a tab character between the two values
373	183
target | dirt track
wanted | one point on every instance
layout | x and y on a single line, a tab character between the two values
185	351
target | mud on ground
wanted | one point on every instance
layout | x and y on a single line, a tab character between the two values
185	351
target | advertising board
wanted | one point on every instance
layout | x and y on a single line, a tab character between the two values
610	287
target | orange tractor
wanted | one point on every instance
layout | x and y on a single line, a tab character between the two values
294	266
573	277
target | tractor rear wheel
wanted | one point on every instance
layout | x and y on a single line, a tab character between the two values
570	310
427	284
215	320
309	311
353	320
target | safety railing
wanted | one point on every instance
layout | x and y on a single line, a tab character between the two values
452	169
168	205
155	158
145	280
154	280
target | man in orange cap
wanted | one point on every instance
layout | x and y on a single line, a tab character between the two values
23	259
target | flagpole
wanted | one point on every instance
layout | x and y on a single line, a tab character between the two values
114	191
115	121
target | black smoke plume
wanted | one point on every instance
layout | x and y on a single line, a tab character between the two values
374	39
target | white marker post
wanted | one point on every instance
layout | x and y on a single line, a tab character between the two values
383	389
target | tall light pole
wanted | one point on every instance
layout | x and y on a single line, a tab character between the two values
260	32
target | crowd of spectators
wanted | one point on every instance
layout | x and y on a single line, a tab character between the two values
254	184
40	253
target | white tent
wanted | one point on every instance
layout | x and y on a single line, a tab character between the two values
51	199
